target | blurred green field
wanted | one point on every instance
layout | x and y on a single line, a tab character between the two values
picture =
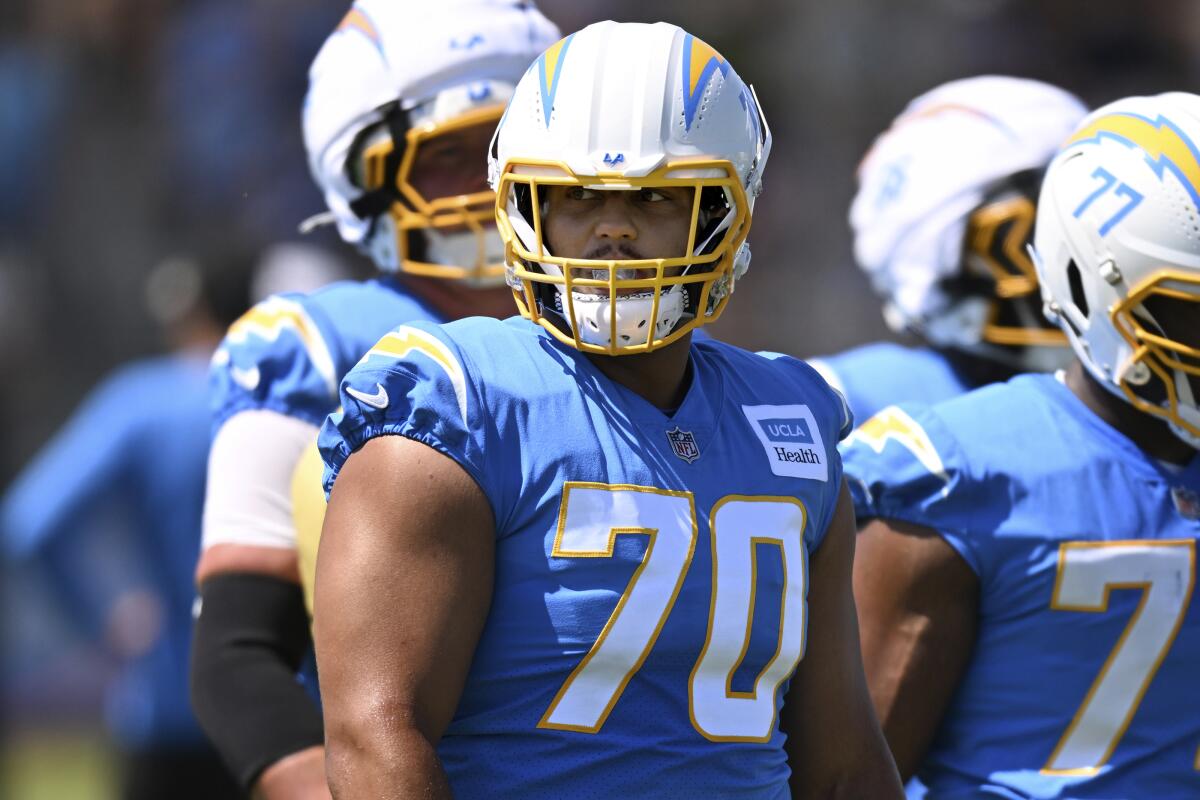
57	765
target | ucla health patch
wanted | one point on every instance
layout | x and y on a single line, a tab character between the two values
791	439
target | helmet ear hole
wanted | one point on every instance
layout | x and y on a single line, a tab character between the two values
1075	282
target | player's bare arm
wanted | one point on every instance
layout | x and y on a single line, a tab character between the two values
917	604
404	581
835	748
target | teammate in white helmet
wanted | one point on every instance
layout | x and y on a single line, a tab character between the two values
1026	587
941	220
402	102
577	553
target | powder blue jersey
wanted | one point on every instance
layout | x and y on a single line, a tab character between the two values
288	352
877	375
1082	683
651	569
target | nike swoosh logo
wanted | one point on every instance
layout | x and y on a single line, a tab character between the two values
377	400
246	378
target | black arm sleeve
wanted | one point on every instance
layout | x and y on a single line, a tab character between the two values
250	636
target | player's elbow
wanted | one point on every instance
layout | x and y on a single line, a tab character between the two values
372	744
873	777
354	758
344	757
856	788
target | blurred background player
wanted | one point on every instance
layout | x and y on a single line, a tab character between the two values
133	456
941	221
402	103
1026	584
538	568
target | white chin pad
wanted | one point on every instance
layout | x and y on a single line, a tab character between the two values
461	249
594	313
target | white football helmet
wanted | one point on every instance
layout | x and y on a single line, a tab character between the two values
944	211
623	106
391	79
1117	249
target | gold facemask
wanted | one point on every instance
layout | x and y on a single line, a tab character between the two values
1155	354
997	234
709	273
413	212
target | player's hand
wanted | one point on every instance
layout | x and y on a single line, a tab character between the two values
134	624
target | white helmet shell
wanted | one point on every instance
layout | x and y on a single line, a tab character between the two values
436	58
1118	235
925	175
618	106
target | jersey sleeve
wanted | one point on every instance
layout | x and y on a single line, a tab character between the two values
835	421
415	383
905	464
841	423
818	371
276	357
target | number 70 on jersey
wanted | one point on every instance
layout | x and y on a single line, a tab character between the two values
592	515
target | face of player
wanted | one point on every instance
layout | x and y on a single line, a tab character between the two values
633	224
452	164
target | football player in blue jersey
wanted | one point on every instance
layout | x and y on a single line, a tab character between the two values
578	553
402	102
941	220
1025	588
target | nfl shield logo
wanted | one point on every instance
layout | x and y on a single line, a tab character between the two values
1187	502
683	443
